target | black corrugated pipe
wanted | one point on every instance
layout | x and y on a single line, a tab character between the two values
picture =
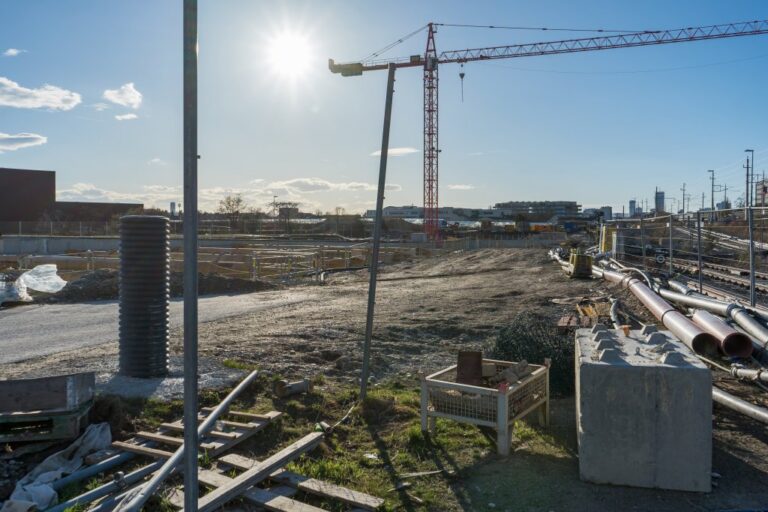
689	333
144	282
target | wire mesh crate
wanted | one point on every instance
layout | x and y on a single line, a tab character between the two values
443	397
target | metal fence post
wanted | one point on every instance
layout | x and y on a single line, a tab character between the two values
698	234
750	222
670	246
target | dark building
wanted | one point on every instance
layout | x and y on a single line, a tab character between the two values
27	195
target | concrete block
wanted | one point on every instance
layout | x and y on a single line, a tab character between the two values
644	411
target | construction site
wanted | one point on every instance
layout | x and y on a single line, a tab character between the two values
533	355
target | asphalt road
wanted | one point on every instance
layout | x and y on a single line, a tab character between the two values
27	332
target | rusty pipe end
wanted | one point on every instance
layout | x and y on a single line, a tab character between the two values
705	344
737	345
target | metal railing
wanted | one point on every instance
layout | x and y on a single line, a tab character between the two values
725	248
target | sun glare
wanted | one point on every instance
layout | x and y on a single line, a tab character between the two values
289	55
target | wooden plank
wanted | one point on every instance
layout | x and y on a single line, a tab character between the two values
258	473
142	450
249	415
277	499
173	441
177	426
309	485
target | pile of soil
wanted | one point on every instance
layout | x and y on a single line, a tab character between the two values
103	284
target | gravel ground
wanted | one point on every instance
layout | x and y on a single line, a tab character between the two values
426	312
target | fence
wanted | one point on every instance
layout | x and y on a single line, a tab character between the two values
726	250
292	263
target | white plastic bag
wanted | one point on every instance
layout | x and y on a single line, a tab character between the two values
42	278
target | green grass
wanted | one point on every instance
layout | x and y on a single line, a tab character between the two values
380	440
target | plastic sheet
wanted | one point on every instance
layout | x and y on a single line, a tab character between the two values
34	491
42	278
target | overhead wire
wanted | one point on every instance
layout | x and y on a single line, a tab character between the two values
391	45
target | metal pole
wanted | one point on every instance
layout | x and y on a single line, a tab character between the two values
137	497
642	241
698	234
750	222
377	232
190	255
670	245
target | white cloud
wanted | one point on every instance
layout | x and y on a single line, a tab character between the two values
99	107
460	187
311	193
9	142
13	52
157	161
126	95
126	117
311	185
397	152
47	96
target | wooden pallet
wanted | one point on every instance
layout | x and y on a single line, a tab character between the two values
167	438
226	435
285	484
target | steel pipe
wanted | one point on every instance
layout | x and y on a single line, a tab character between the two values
730	310
688	332
747	373
136	499
732	342
739	405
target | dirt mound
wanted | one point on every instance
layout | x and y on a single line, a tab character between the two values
103	284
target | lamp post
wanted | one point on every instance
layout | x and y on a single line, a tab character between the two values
751	230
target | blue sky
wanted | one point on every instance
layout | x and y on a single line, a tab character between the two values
598	127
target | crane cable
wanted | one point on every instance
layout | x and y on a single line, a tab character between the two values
393	44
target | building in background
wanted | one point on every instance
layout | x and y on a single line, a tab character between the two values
632	207
658	200
761	191
607	212
512	210
29	196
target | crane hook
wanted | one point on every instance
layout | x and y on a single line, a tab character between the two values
461	76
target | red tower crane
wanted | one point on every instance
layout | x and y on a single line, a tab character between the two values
432	59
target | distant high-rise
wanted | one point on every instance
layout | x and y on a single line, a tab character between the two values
632	207
659	201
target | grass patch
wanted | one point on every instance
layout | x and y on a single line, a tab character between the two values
381	440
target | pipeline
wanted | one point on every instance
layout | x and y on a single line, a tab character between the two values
746	373
689	333
737	313
732	342
739	405
614	313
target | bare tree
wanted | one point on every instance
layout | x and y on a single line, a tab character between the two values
232	207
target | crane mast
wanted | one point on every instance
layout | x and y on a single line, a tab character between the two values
431	60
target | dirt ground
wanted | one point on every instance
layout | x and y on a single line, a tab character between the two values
425	312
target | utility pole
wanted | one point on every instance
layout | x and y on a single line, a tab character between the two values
712	179
750	176
746	190
702	200
683	189
725	195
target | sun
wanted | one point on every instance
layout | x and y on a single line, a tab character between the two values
289	55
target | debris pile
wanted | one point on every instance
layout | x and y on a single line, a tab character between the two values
103	284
